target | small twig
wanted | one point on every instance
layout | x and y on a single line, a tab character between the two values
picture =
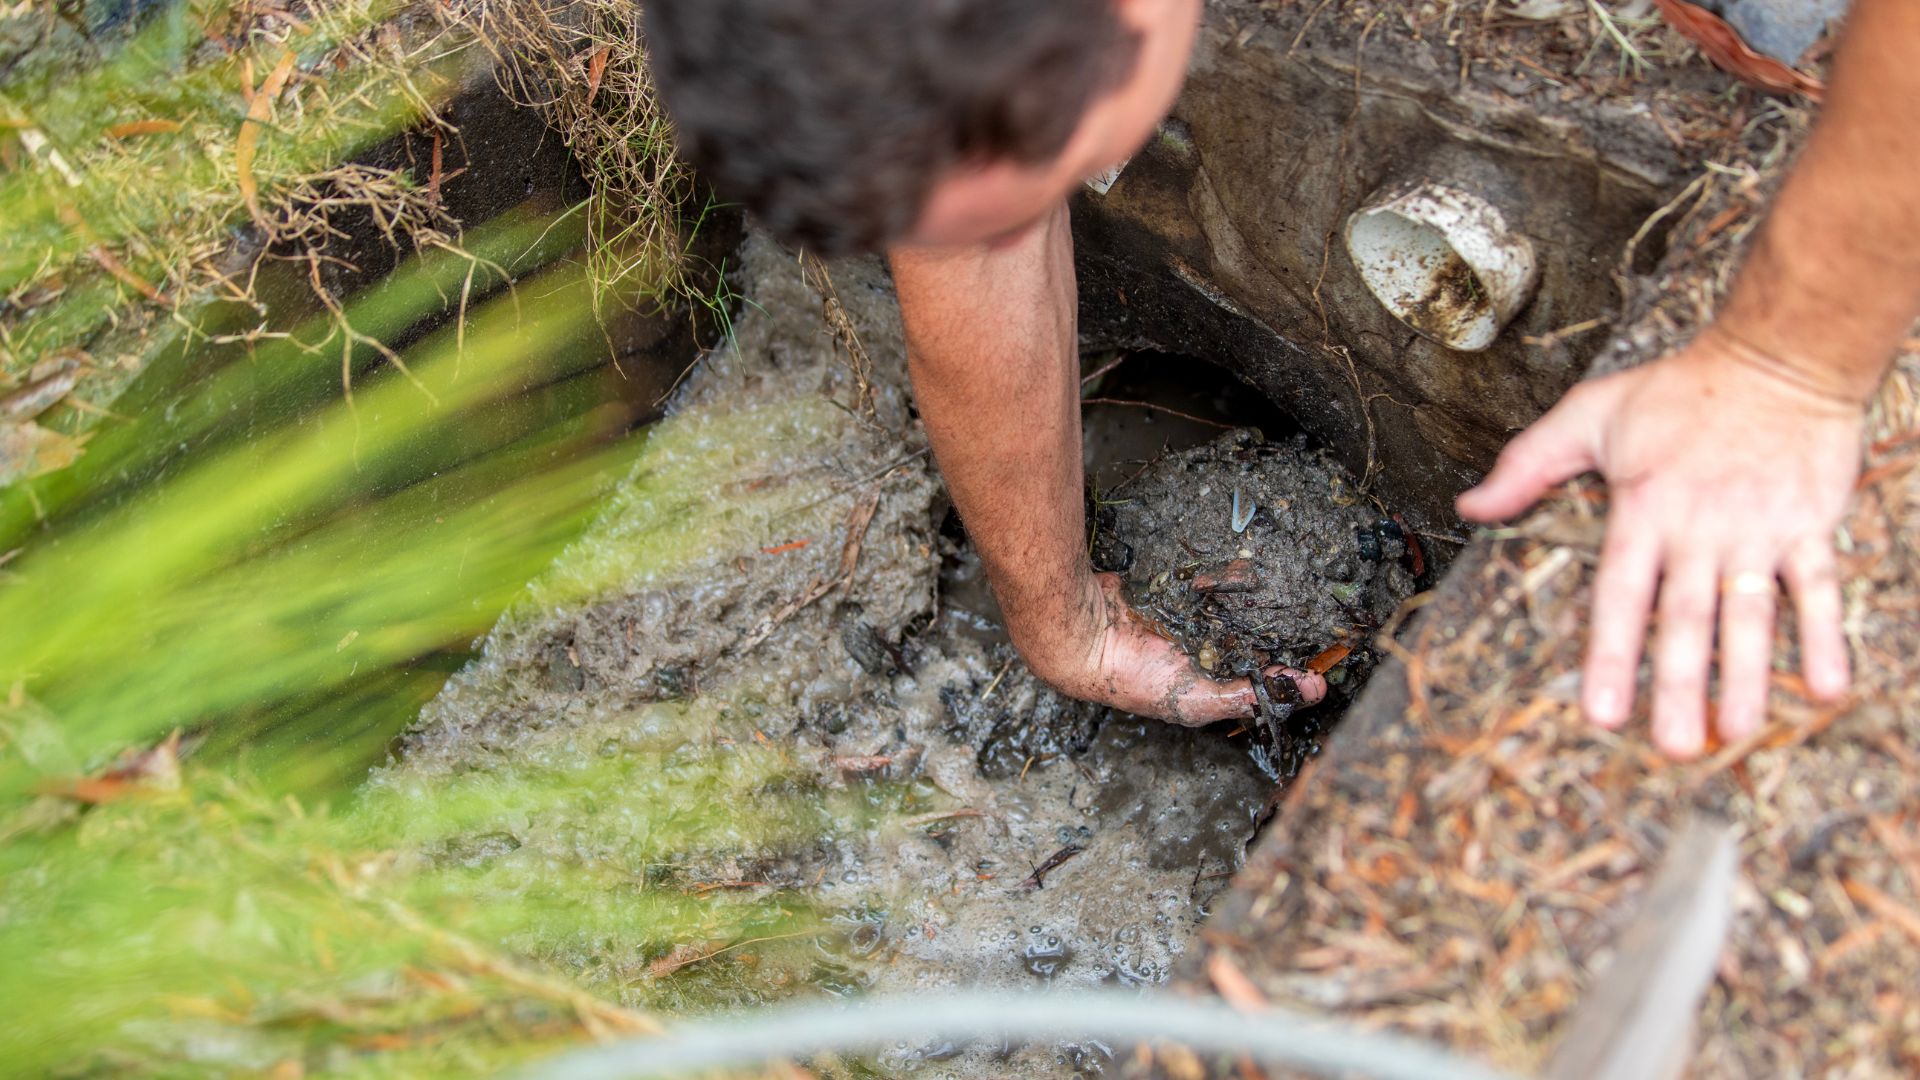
1158	408
845	337
1233	984
919	820
1038	878
124	276
1105	368
1553	337
995	684
762	941
1302	35
1873	899
879	474
246	144
857	523
872	763
705	956
598	1015
1627	47
1698	187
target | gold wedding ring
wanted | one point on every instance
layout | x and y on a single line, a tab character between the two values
1748	583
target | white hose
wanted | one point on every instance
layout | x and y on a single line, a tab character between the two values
1273	1037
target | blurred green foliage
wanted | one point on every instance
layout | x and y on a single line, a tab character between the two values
280	542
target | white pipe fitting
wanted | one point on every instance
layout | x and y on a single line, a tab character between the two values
1443	261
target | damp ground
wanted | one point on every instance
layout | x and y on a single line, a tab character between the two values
1252	553
785	702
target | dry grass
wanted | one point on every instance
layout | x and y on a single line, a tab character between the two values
582	63
126	240
144	219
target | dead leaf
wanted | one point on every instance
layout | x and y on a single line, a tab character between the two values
1729	52
1329	659
680	956
143	127
596	70
28	450
153	769
259	108
41	394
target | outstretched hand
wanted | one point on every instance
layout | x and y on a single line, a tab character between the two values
1726	476
1115	659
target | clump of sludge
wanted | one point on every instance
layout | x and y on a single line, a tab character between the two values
1250	554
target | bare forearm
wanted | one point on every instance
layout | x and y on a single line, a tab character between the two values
993	352
1833	283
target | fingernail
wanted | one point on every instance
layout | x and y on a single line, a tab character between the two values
1683	742
1680	737
1312	686
1604	707
1830	684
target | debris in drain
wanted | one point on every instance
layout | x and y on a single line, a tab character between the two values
1045	955
1250	554
1022	722
1038	878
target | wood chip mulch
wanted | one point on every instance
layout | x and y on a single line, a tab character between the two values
1457	865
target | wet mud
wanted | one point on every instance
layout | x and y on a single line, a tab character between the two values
1252	553
872	763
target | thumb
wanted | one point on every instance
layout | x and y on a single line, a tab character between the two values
1558	447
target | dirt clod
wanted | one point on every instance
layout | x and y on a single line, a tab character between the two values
1312	568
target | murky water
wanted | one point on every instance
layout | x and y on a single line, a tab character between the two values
948	820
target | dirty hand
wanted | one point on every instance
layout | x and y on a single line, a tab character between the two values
1726	472
1114	658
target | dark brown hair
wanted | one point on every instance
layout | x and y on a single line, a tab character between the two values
832	119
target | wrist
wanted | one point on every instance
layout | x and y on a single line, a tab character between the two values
1059	631
1821	386
1826	325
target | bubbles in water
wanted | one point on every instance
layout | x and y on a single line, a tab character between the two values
1046	959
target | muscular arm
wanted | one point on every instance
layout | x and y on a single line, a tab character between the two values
1833	283
1731	461
993	350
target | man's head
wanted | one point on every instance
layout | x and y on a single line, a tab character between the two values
859	124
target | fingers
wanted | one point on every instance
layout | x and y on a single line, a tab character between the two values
1623	594
1197	702
1689	596
1747	603
1312	687
1202	701
1558	447
1815	582
1740	594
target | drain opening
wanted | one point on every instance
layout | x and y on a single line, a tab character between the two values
1443	261
1237	538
